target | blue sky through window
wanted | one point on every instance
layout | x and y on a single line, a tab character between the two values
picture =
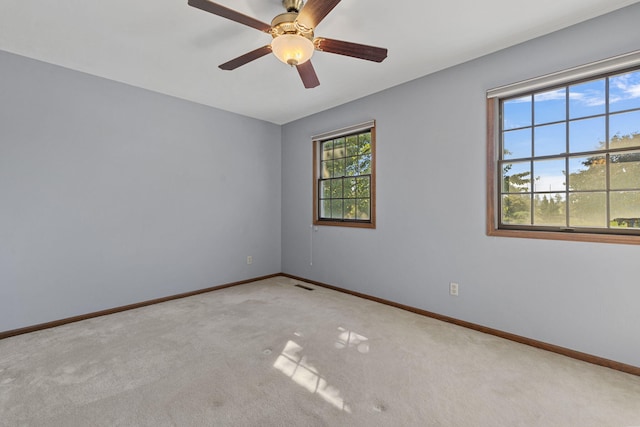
585	99
550	106
586	121
624	91
587	134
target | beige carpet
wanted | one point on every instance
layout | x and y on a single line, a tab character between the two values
273	354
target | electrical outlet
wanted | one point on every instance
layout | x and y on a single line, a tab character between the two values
249	259
453	289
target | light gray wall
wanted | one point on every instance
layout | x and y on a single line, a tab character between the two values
431	209
111	195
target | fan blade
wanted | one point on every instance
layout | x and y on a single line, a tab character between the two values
308	75
246	58
314	11
220	10
355	50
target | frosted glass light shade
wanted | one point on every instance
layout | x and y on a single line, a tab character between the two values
292	49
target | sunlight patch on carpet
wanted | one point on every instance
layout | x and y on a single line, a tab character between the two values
296	367
348	338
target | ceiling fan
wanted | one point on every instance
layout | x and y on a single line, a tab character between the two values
293	39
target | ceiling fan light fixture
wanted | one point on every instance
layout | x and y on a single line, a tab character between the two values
293	36
292	49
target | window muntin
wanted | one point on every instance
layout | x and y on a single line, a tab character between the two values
344	192
569	157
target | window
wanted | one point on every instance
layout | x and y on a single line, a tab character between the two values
344	177
565	159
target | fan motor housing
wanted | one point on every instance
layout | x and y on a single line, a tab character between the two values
293	5
285	23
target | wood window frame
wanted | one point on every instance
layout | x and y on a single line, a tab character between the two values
317	141
494	176
601	67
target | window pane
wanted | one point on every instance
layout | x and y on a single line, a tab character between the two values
549	140
625	142
352	145
363	187
516	209
364	143
327	169
363	209
516	177
338	167
624	130
588	209
325	189
336	188
625	171
350	209
625	209
550	106
550	209
516	113
339	150
587	135
587	173
517	144
364	163
624	91
325	209
327	150
550	175
336	209
587	99
349	189
351	166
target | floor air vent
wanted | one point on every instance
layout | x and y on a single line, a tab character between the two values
303	287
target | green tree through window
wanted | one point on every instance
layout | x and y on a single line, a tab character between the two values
344	193
624	174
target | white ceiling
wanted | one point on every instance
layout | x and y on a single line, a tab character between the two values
169	47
